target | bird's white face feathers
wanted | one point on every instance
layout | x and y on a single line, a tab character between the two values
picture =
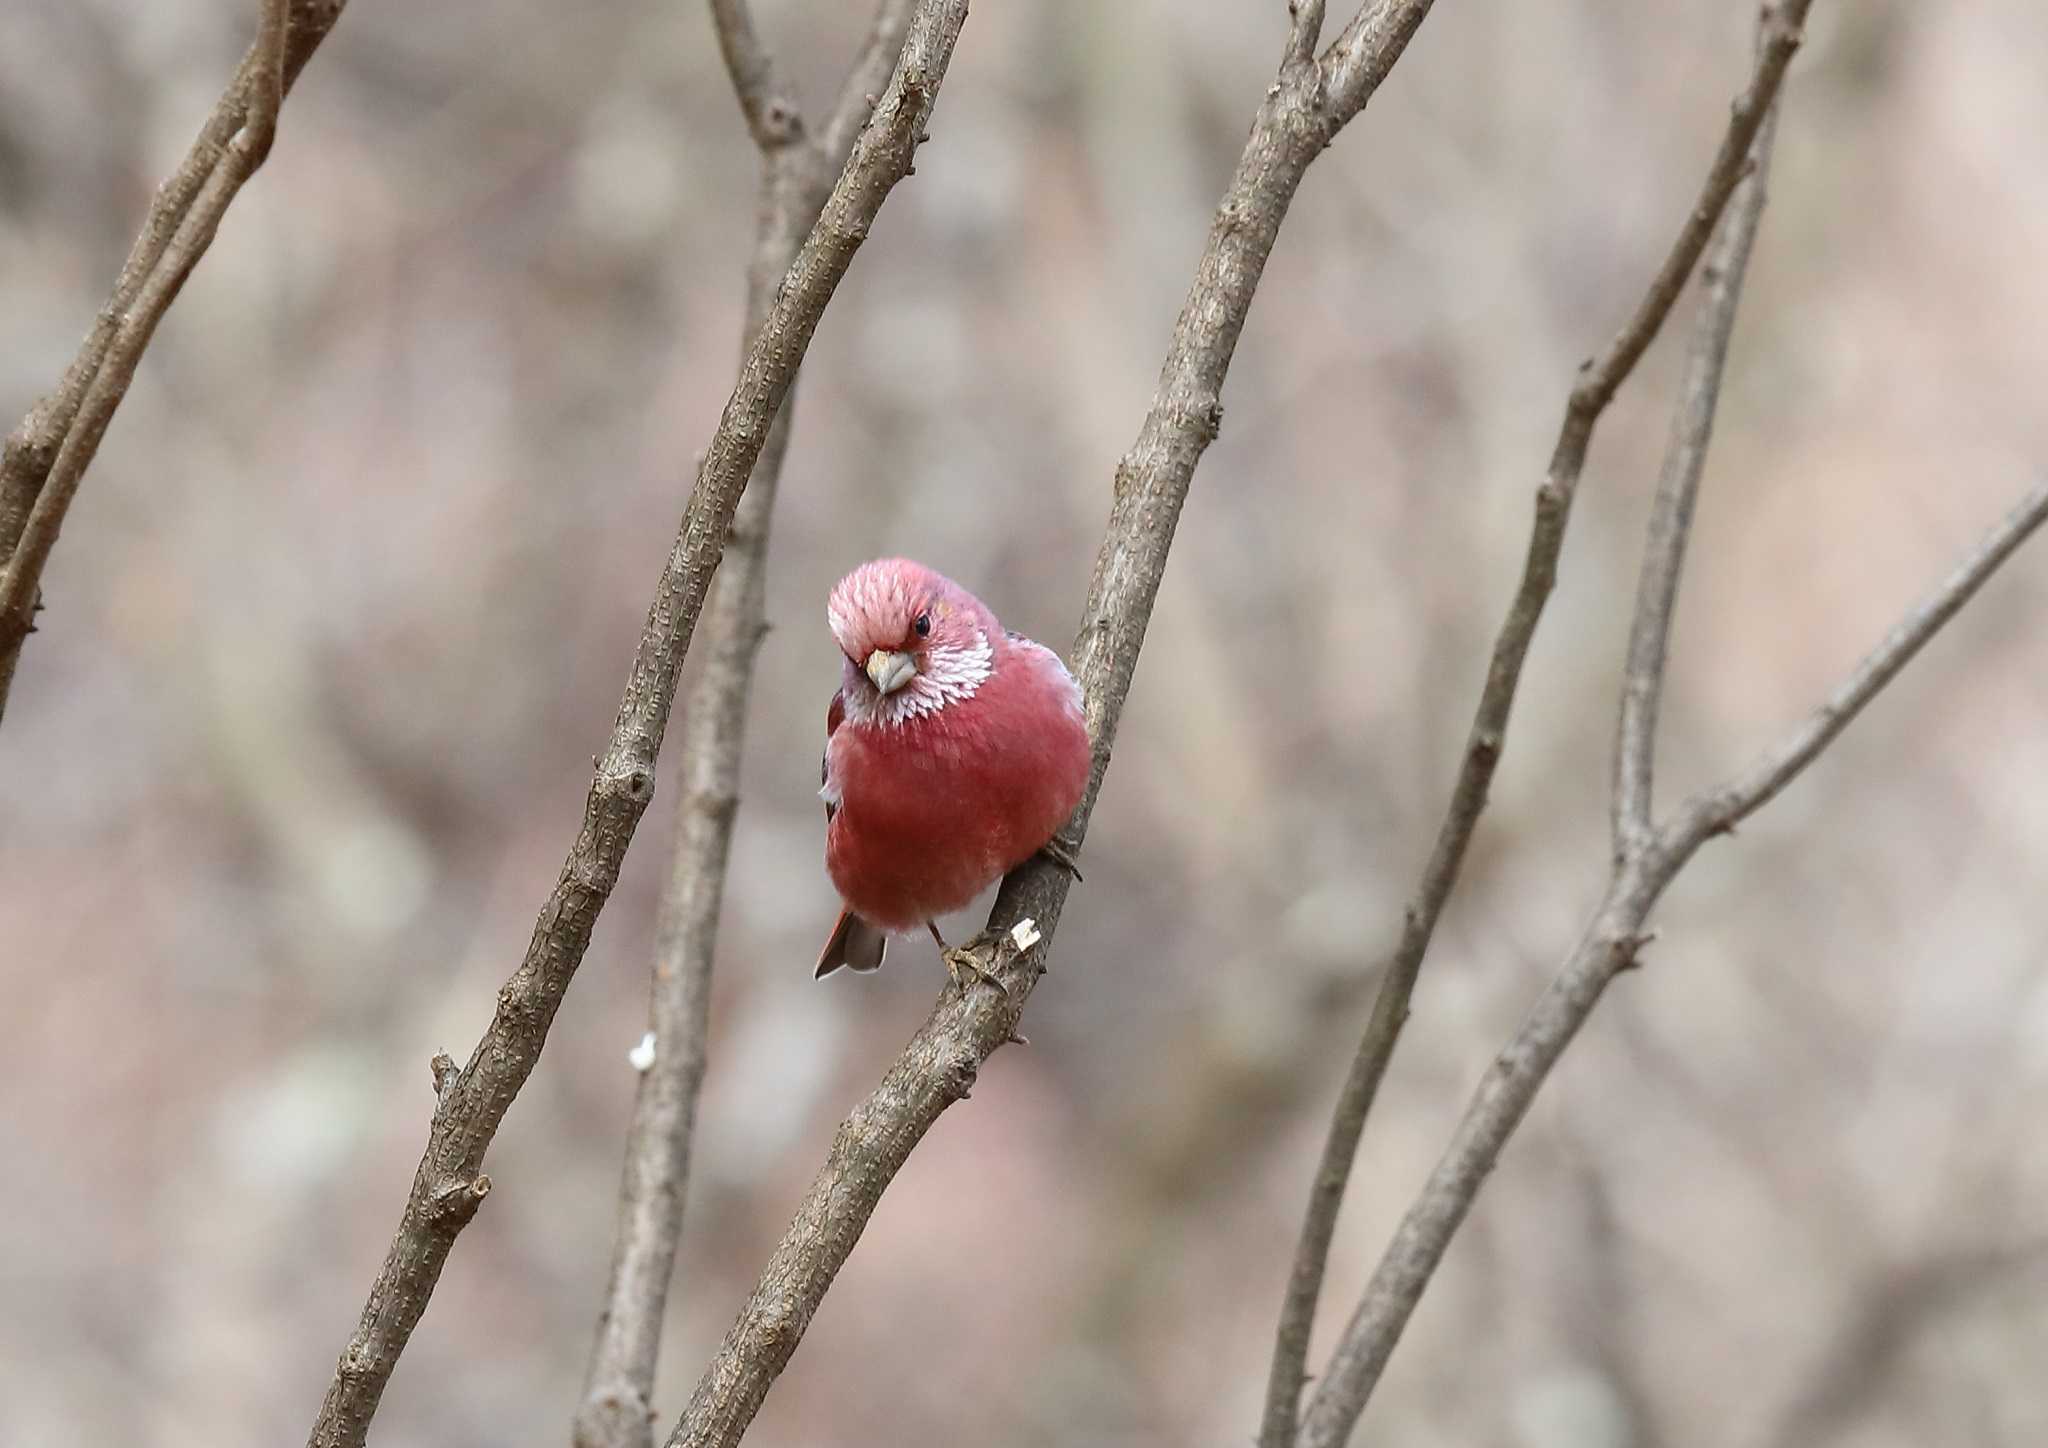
904	611
945	676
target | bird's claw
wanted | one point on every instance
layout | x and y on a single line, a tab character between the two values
965	970
1062	854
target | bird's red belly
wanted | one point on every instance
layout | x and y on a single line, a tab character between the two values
933	811
925	823
900	871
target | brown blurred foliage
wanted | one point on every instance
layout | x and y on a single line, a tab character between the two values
345	603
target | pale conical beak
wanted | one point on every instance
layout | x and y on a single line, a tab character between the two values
891	672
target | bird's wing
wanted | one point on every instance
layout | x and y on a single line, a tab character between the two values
834	716
1055	667
855	944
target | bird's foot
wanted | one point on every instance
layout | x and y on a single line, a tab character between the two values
965	970
1062	854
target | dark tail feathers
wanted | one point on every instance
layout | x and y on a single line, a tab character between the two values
855	944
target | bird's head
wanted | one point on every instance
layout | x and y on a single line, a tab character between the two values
914	640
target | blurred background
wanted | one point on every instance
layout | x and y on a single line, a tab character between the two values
346	603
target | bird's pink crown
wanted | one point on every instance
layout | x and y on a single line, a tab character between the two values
877	605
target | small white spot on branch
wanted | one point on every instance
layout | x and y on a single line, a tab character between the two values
1025	933
642	1055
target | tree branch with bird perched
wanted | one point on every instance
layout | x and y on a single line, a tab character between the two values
1315	93
449	1184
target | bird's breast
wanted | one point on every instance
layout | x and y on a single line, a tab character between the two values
932	810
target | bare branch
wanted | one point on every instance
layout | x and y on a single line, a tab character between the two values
447	1186
1608	947
1304	30
773	116
868	76
266	80
1359	59
46	458
1641	873
1782	25
1692	429
938	1067
1718	810
619	1388
1483	745
1496	1109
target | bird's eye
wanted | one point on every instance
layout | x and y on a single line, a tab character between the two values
923	625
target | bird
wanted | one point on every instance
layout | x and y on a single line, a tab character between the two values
955	750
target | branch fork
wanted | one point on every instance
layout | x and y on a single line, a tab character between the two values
1646	855
45	459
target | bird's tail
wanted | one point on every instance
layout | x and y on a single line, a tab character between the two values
855	944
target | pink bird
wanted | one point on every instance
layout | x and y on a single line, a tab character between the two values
954	751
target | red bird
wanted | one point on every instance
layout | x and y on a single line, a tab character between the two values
954	750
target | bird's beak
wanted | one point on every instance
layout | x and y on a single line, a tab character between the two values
891	672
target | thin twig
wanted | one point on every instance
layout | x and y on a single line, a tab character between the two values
619	1387
1692	430
1390	1008
450	1183
1359	59
1304	29
266	82
1608	947
1781	28
1497	1107
1644	866
773	116
1295	122
1717	811
46	458
868	77
1596	387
